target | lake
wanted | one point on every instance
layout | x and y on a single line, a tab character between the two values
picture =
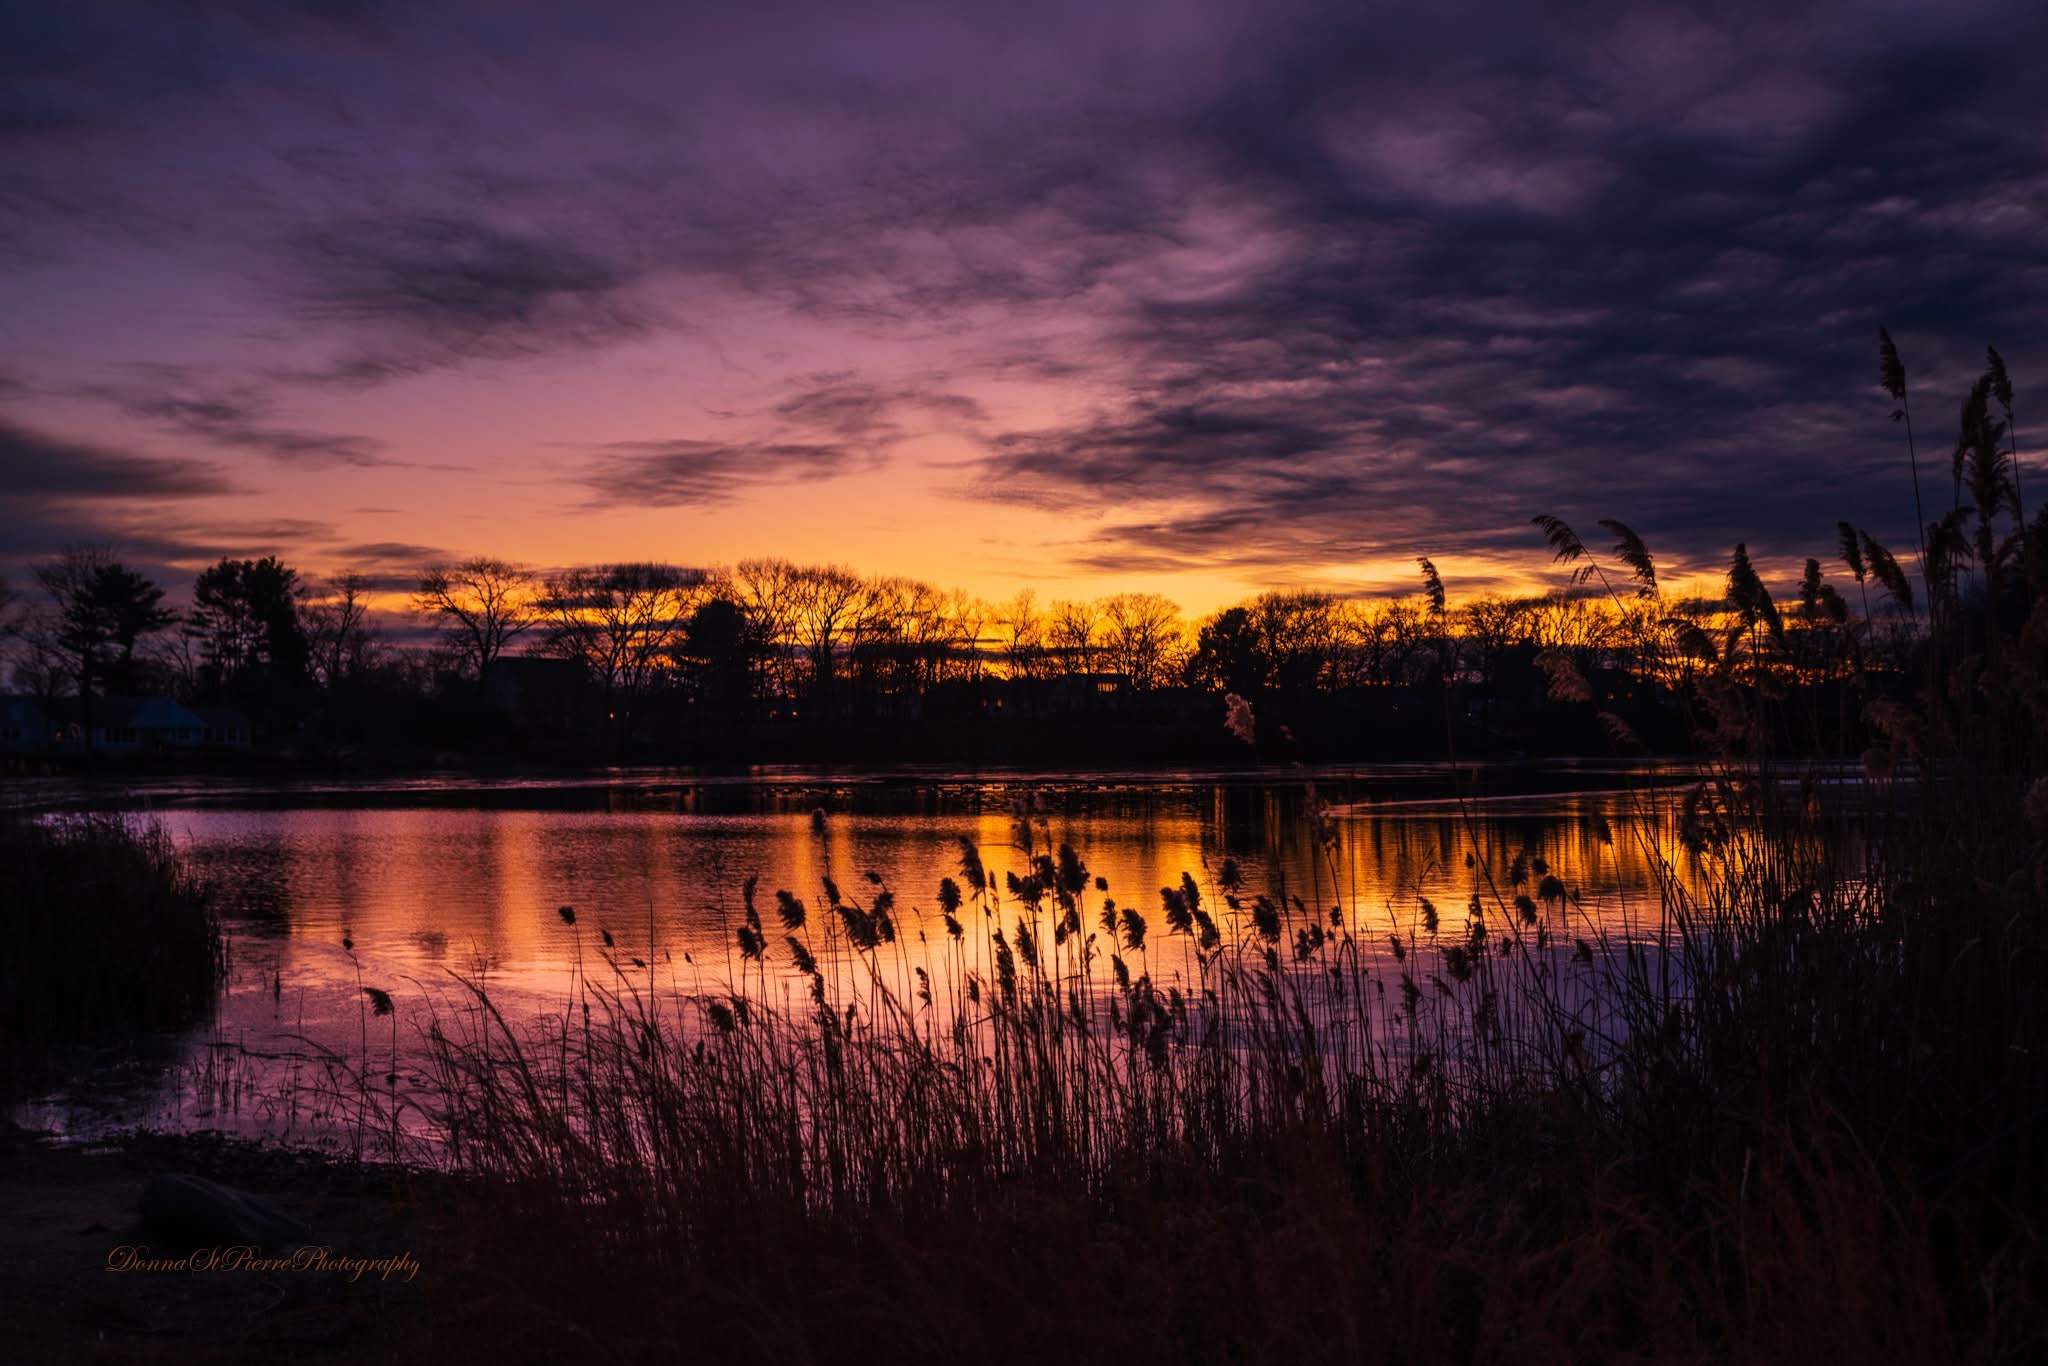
403	886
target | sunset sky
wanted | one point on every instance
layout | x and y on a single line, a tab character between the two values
1195	298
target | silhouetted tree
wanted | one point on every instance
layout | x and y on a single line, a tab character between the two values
245	617
338	634
103	610
767	592
828	602
715	656
1142	631
618	621
1074	636
482	605
1228	656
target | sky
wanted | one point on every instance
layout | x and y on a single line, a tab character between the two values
1194	298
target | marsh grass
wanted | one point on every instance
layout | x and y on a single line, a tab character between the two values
107	935
1792	1110
1235	1126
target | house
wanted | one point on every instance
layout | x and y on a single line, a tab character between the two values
144	725
25	726
132	725
224	728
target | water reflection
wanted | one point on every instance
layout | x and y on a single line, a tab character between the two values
330	896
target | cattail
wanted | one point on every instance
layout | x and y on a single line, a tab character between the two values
2001	389
1566	683
1891	370
1565	546
1810	585
1747	594
1892	375
1266	919
1852	551
2001	383
1432	586
1179	920
1237	718
1630	550
1073	874
1884	567
801	956
970	866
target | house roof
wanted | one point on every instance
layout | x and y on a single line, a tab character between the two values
140	713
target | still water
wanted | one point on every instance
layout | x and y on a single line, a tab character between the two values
408	887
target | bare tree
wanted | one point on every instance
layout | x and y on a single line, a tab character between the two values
766	590
1142	637
1075	634
1022	637
829	601
1298	634
482	604
966	617
618	621
338	631
39	665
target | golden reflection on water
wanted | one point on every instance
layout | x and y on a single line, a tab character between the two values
418	891
328	899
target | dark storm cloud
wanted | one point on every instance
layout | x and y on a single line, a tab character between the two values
829	424
56	491
239	424
690	473
1528	305
432	286
390	551
37	469
1322	285
855	410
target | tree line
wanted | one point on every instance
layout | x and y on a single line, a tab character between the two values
770	641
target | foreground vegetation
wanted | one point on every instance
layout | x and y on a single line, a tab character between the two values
1792	1107
108	935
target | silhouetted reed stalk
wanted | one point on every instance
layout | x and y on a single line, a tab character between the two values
1892	377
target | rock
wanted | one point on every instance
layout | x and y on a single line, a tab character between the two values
178	1208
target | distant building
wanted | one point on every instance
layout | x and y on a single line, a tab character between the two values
142	725
225	728
25	726
122	725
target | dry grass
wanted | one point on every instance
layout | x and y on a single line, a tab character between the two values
1793	1113
107	934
